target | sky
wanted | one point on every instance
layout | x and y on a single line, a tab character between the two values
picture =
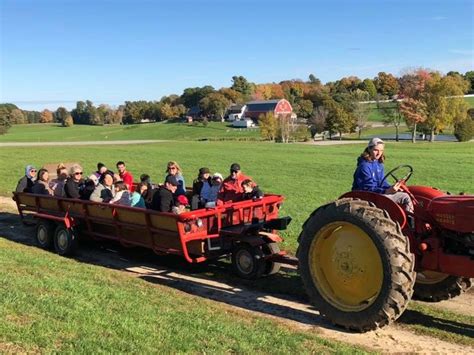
54	53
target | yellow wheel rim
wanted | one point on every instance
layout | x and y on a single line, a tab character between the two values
345	266
430	277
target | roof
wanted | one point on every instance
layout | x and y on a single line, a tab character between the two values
262	106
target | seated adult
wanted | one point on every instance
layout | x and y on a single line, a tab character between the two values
57	185
137	199
74	184
203	181
41	186
122	196
163	200
369	174
209	194
148	194
231	189
251	190
26	182
125	176
104	191
173	168
101	168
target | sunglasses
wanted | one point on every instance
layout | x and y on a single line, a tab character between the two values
78	173
172	168
33	171
234	171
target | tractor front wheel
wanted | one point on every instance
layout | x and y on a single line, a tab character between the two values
356	265
434	286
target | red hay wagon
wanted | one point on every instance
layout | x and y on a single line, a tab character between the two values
247	230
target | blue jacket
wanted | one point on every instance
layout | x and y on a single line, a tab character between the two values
368	176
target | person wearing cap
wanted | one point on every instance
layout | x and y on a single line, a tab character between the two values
369	174
203	181
163	200
26	182
231	189
180	205
104	191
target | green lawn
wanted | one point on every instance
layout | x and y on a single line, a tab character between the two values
53	304
470	101
306	175
160	130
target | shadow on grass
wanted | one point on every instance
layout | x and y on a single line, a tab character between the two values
412	317
280	295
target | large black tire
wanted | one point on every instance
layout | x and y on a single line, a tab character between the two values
248	262
44	233
65	241
333	274
436	287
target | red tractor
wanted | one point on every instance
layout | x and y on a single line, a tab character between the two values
362	257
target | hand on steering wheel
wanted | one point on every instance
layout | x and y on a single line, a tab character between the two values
403	180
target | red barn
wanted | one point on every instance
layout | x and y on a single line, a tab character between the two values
277	107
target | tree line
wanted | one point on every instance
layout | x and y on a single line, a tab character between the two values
429	103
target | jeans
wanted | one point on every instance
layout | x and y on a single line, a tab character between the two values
402	199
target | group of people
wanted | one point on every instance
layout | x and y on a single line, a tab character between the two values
104	185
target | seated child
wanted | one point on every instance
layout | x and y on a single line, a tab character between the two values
180	205
251	190
122	196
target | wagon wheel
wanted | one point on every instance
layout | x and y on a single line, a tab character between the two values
65	241
434	286
356	265
248	262
45	234
271	267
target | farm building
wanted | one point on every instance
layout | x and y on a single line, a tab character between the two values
235	112
278	107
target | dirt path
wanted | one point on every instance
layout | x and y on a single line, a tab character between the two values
287	309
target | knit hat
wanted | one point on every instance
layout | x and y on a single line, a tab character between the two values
217	176
235	167
182	200
203	171
170	179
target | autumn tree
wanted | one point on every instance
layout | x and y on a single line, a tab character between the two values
4	120
338	119
232	95
386	84
314	80
192	96
469	76
317	121
17	116
414	112
391	115
304	108
369	86
68	121
61	114
46	116
215	104
268	126
361	114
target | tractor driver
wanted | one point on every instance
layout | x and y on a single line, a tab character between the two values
370	173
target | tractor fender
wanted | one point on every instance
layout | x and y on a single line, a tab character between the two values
395	212
270	237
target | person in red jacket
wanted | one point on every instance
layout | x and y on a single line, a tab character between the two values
231	188
126	177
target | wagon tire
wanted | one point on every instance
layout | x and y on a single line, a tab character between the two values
436	287
44	234
356	265
65	241
248	261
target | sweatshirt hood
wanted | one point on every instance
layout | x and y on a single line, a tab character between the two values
28	171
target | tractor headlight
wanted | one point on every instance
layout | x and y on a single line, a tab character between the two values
199	223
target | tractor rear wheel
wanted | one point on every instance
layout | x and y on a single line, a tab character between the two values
356	264
434	286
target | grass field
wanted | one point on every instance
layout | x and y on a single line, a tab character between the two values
306	175
160	130
53	304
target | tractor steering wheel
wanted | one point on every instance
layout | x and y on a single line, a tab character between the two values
404	179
